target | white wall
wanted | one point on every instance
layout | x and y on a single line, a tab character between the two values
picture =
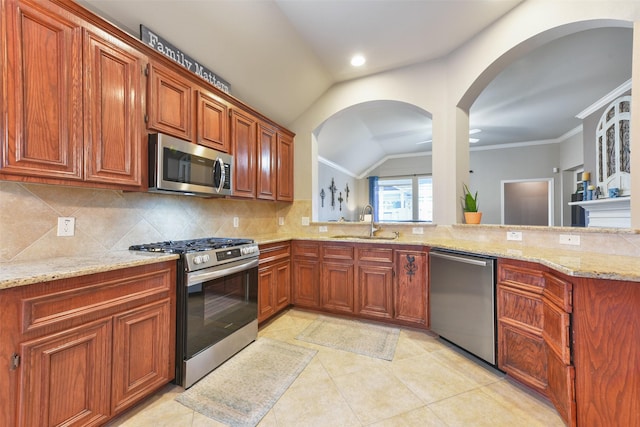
349	209
448	87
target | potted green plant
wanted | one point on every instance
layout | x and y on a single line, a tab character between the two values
470	207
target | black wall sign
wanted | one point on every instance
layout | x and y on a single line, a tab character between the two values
170	51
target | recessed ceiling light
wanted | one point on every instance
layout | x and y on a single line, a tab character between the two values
472	131
473	140
358	60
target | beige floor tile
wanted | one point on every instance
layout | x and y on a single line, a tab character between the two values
467	365
375	395
478	408
421	417
339	363
313	403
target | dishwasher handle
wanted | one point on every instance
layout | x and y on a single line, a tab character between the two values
459	258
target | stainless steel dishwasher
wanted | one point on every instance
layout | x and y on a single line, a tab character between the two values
462	301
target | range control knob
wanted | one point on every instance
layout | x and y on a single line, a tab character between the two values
206	258
197	259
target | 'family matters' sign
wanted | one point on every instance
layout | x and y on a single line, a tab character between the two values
167	49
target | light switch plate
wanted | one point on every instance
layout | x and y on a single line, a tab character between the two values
236	221
66	226
281	220
305	220
417	230
323	229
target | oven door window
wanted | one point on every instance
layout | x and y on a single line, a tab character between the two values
217	308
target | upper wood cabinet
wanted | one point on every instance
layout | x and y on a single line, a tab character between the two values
212	118
169	103
114	132
243	141
43	69
266	162
74	100
284	173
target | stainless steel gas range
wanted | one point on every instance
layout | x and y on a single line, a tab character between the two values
217	301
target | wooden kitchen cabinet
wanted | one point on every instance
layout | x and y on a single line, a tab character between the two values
266	162
169	102
534	309
337	277
284	172
83	349
411	286
374	282
243	143
521	348
274	279
114	134
75	94
212	118
305	273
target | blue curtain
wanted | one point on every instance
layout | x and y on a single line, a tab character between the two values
373	196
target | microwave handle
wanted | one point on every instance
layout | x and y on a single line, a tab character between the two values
223	174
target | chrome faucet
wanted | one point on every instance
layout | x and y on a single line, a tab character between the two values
372	230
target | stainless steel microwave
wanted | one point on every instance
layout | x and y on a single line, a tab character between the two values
177	166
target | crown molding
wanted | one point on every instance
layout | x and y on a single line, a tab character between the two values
605	100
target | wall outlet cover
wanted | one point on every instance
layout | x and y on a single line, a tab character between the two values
236	221
66	226
323	229
514	235
281	220
305	220
417	230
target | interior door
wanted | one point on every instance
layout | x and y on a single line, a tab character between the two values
527	202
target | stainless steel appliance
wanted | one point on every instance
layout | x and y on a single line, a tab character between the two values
217	301
177	166
462	301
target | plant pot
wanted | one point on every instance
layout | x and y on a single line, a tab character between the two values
472	217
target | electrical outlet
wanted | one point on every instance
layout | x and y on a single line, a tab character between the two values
236	221
417	230
514	235
281	220
305	220
323	229
66	226
569	239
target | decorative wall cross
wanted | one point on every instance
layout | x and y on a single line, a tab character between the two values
333	190
322	197
340	199
346	191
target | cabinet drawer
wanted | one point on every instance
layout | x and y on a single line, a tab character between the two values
375	255
520	308
523	356
90	297
306	249
556	332
520	276
274	252
558	291
338	252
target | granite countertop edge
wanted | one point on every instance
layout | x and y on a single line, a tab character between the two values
572	263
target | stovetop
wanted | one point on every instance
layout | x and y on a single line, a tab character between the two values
191	245
209	252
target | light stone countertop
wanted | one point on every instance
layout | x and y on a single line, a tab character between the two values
13	274
572	263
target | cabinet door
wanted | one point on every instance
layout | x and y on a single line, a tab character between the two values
243	141
561	387
411	286
113	112
212	118
43	69
169	103
142	348
337	286
267	150
306	283
375	291
267	282
283	285
66	377
284	184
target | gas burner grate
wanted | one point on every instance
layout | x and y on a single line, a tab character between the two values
192	245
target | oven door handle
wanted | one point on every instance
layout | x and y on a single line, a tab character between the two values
199	277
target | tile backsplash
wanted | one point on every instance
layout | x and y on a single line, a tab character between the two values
107	220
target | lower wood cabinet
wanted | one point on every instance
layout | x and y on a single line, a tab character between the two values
534	322
82	350
385	282
274	279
